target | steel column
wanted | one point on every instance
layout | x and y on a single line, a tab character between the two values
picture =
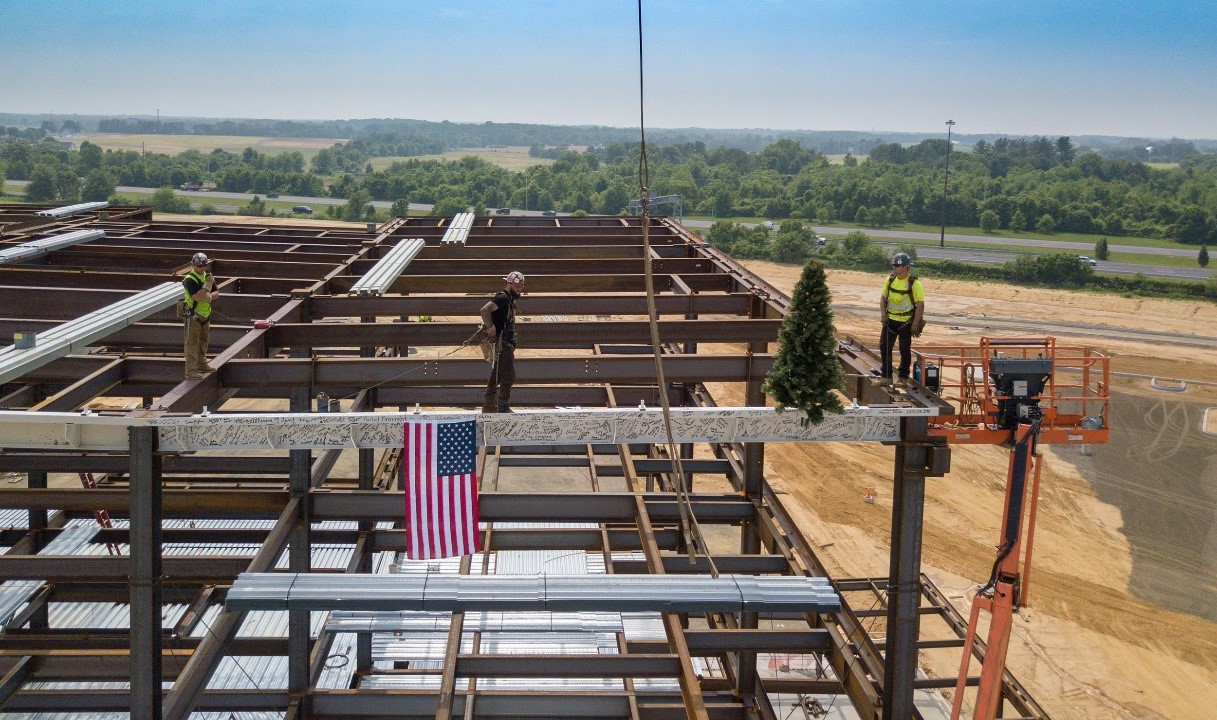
145	575
904	583
299	556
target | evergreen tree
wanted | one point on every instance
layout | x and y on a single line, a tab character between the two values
1100	249
1203	257
806	370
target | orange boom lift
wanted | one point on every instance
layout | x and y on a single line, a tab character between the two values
1018	392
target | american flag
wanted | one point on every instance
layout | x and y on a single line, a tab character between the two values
441	489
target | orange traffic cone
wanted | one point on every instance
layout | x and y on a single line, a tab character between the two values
869	497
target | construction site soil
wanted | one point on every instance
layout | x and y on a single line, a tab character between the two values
1121	622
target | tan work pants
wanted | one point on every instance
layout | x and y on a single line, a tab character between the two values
197	334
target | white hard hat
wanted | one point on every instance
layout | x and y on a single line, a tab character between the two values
515	277
199	259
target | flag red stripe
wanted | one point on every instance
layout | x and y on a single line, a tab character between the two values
441	512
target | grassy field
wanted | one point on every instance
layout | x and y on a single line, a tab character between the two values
515	158
839	159
174	144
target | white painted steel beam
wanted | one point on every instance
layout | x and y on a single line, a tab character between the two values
298	431
555	593
45	246
70	210
388	269
458	229
76	335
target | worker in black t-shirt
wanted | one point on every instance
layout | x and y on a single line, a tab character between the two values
499	324
199	292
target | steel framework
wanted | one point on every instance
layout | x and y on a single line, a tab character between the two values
191	521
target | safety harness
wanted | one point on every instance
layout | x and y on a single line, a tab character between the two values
908	290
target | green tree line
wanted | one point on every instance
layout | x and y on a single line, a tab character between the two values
1016	185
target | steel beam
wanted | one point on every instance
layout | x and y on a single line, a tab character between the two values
460	304
406	372
555	334
85	389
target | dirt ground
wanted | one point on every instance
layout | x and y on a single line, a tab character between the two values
1091	645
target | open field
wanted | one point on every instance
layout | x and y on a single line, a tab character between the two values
174	144
514	158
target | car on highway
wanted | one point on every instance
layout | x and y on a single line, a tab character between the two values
302	210
503	211
819	240
771	225
550	213
272	195
1087	260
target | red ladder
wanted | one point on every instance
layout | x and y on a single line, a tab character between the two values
102	516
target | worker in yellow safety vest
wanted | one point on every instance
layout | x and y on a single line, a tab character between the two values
198	288
902	308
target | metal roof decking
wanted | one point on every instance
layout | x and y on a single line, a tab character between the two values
382	275
458	230
38	248
563	593
70	210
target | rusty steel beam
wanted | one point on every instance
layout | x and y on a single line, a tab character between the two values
458	265
85	389
201	503
103	568
558	334
60	304
533	303
406	372
106	463
488	284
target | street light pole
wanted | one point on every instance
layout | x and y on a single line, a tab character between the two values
942	239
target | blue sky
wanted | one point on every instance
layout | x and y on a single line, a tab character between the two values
1055	68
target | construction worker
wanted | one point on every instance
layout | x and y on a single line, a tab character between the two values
901	307
199	292
499	325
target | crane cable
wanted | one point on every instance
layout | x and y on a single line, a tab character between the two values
689	527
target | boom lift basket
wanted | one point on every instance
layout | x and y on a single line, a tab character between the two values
1003	381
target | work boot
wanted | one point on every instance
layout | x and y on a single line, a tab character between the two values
504	409
488	409
208	369
194	375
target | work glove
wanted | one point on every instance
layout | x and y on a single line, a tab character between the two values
918	326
